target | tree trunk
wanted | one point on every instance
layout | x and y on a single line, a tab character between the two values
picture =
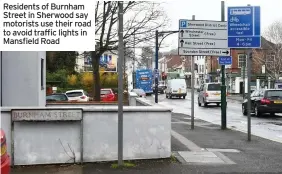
96	76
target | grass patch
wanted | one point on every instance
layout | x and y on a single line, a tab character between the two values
125	165
173	159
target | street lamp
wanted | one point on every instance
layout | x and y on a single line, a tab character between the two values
158	44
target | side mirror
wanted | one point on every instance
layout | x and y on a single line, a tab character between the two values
198	90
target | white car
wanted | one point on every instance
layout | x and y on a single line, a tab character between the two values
176	88
77	95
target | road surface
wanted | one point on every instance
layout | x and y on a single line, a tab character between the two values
264	126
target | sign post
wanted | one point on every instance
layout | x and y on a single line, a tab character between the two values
201	38
244	32
120	83
223	86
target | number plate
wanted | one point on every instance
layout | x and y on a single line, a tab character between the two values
278	101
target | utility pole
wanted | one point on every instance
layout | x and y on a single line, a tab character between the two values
192	87
120	82
223	86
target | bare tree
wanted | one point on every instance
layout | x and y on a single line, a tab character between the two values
141	20
270	54
146	57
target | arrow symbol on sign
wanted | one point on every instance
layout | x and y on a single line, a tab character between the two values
181	33
181	43
227	52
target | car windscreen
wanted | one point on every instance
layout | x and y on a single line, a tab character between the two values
274	94
105	92
74	94
56	98
213	87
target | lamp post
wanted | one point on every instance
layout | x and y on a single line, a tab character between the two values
158	44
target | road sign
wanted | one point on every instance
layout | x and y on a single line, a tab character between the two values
201	33
244	27
156	71
225	60
202	43
202	38
203	52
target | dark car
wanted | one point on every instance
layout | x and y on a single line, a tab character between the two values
161	87
264	101
56	97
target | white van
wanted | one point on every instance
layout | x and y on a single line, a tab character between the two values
209	93
176	88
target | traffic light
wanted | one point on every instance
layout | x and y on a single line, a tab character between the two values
163	76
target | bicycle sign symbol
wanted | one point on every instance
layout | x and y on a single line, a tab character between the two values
234	19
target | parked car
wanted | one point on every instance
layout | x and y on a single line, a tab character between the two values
77	95
57	97
209	93
5	158
108	94
161	87
264	101
139	92
176	88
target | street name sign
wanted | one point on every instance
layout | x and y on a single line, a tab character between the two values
225	60
202	38
244	29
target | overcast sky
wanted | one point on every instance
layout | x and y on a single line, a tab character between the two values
271	10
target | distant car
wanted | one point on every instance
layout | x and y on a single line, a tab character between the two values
57	97
139	92
209	93
264	101
77	95
5	158
108	94
161	87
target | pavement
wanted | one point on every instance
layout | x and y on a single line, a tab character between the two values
205	149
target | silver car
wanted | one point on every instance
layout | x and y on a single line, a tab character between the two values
209	93
139	92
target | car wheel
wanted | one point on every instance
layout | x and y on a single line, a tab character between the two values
184	97
244	111
218	104
166	96
199	104
272	114
170	96
257	113
205	104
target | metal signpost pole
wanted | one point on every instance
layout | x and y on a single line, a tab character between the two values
120	83
249	53
244	76
249	67
156	66
223	86
192	87
248	39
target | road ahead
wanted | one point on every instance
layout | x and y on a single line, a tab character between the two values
265	126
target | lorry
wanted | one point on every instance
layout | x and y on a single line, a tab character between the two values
144	80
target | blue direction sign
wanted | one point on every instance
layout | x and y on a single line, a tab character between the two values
225	60
244	27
